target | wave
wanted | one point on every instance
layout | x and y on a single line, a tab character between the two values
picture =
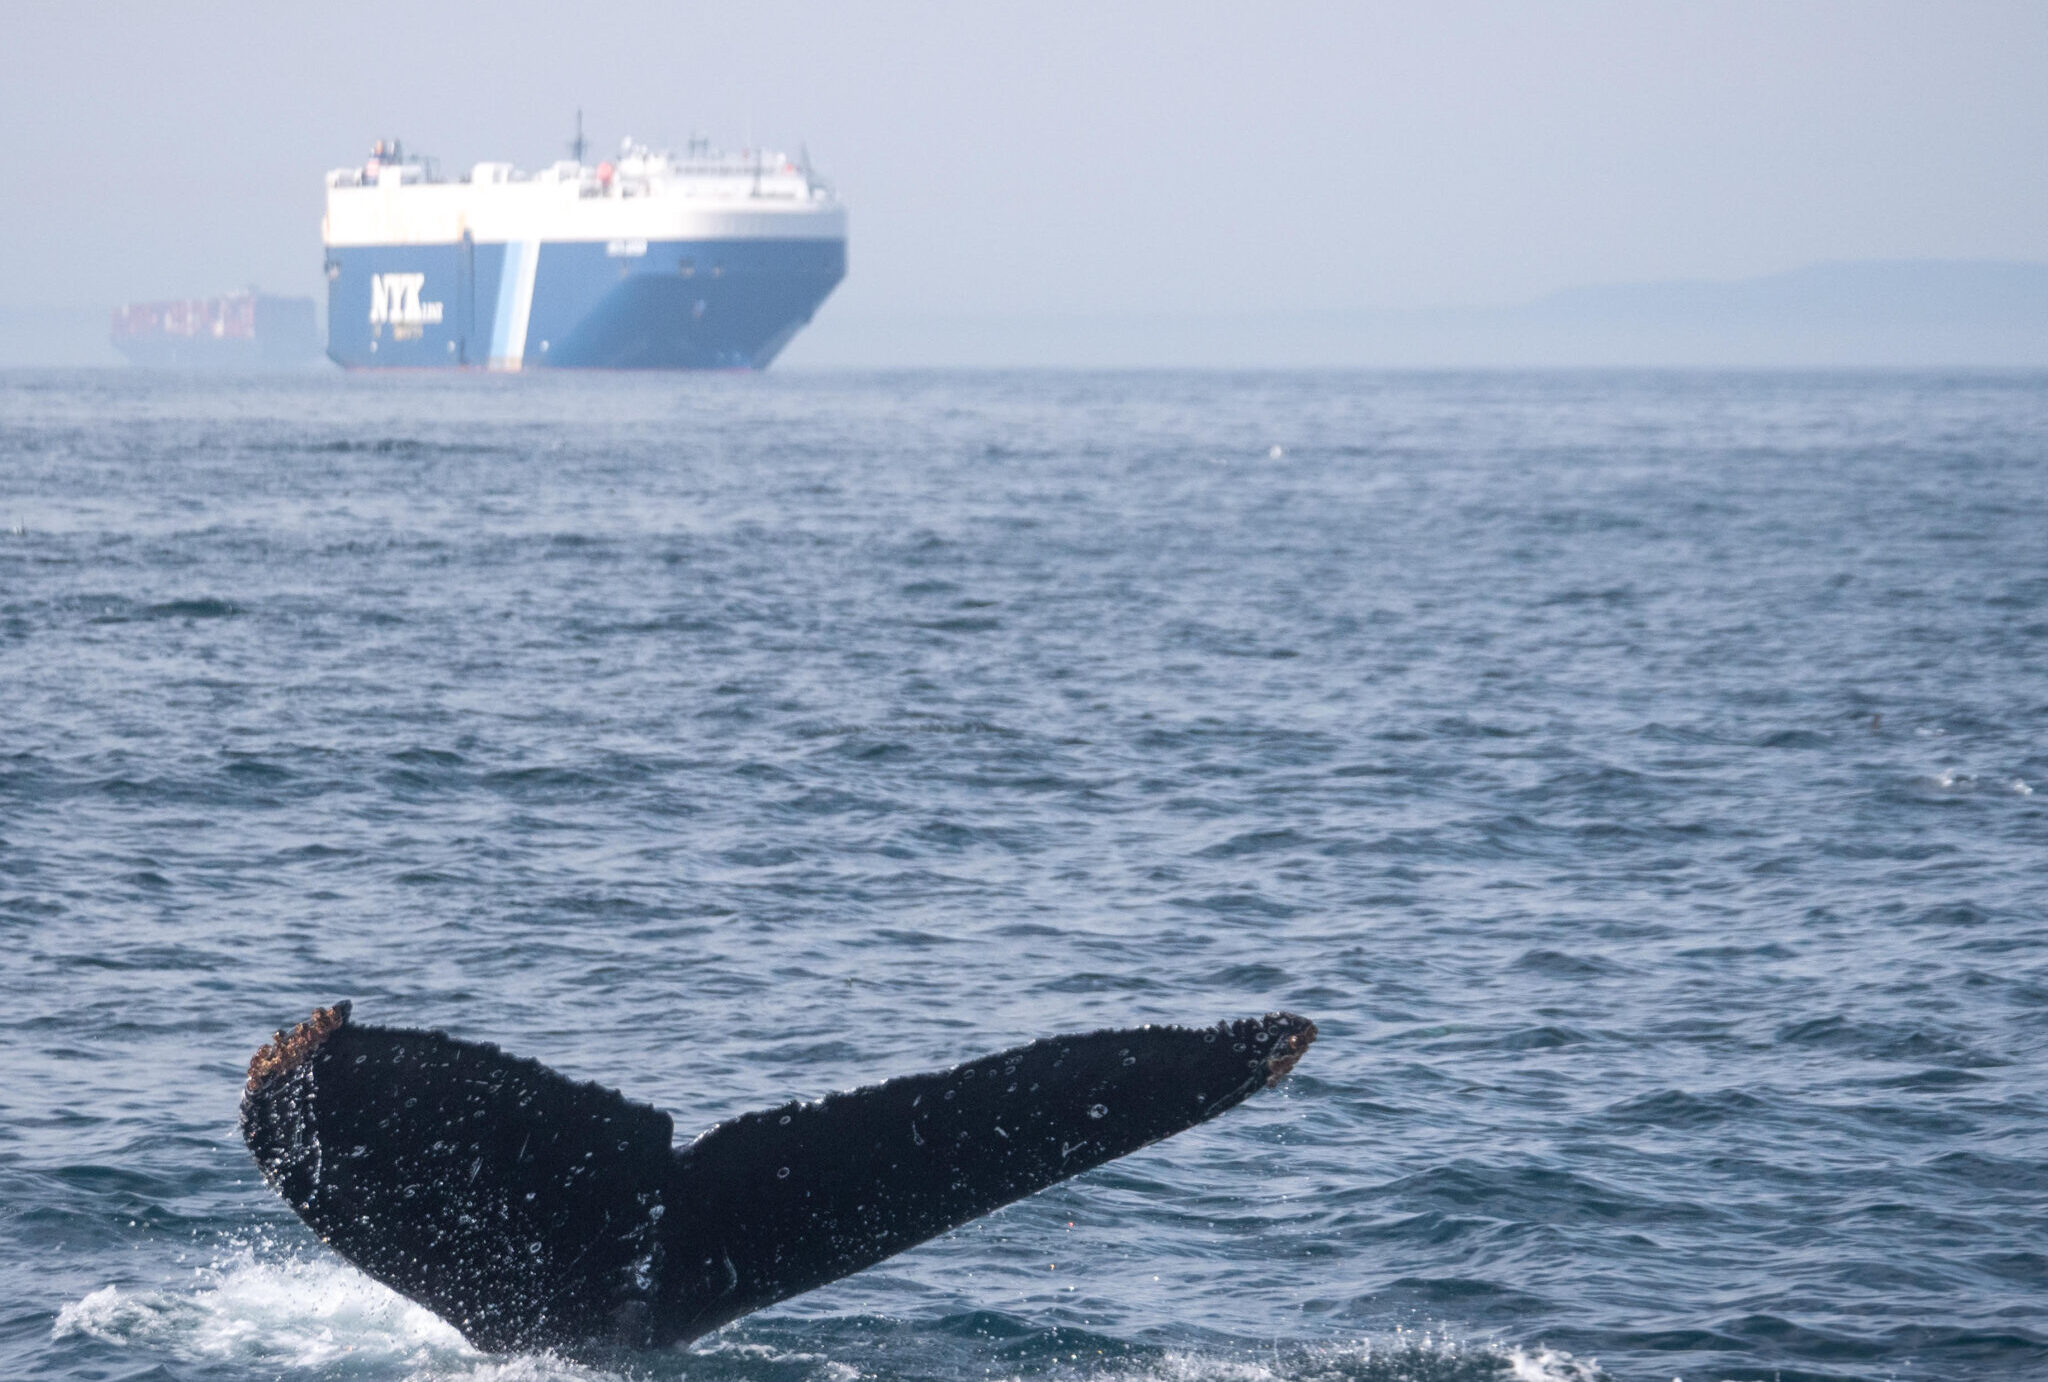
323	1318
296	1316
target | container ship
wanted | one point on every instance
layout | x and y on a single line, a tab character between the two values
249	330
709	260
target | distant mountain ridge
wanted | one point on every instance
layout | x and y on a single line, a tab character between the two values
1928	313
1933	292
1905	314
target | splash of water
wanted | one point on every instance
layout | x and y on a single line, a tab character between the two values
297	1316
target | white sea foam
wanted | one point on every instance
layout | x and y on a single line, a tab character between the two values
1403	1356
1955	780
823	1369
295	1316
1548	1365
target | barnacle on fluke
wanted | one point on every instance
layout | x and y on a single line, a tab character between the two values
535	1211
288	1050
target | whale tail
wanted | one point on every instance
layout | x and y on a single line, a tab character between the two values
535	1211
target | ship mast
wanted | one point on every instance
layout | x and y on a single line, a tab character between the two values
576	145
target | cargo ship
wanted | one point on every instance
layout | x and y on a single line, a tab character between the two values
649	260
249	330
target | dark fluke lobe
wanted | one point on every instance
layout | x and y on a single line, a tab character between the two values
534	1211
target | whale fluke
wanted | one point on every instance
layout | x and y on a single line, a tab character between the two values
535	1211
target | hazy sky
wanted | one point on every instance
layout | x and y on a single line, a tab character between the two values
1069	159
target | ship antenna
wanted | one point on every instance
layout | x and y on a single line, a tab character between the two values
576	146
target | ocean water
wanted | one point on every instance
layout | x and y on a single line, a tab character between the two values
1642	780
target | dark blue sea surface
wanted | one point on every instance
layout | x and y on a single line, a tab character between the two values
1642	779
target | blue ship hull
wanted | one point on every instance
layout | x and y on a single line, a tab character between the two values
657	304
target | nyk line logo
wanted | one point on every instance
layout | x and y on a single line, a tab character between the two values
395	298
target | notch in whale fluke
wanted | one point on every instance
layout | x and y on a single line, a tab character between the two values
534	1211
